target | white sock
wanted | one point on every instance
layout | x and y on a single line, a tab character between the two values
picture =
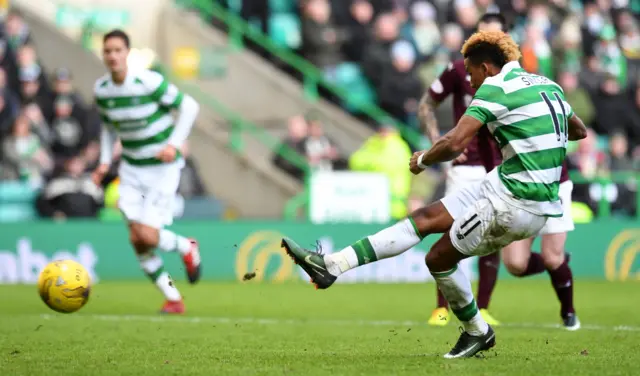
456	288
169	241
152	265
168	287
386	243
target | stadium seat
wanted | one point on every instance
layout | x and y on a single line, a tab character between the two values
349	77
603	143
281	6
17	202
285	30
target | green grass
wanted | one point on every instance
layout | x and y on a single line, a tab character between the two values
333	332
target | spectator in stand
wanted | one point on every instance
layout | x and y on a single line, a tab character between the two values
446	52
28	65
377	55
321	152
69	136
359	28
8	112
322	39
11	98
63	88
619	161
536	52
190	183
576	96
9	65
24	156
18	33
256	10
292	148
614	112
32	91
423	30
400	88
387	153
38	123
629	35
568	46
71	193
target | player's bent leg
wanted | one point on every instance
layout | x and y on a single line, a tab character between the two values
153	266
488	267
442	261
516	256
391	241
558	268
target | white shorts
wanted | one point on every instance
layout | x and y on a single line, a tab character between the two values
484	223
564	223
459	177
147	193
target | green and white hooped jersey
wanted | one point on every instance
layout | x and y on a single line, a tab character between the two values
139	111
528	116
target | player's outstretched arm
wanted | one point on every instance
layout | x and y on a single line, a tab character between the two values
577	129
187	114
449	146
427	117
107	142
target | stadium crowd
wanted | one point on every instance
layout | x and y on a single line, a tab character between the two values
591	48
49	139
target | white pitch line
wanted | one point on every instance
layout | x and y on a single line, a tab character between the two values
262	321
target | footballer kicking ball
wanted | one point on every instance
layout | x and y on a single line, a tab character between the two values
64	286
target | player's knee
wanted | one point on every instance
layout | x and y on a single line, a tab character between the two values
436	261
147	237
552	258
133	238
431	259
515	265
142	238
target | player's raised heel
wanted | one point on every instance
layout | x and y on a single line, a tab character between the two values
311	262
193	263
468	345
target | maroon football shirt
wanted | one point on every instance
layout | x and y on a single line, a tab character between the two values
483	149
454	80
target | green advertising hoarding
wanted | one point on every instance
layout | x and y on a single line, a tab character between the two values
232	249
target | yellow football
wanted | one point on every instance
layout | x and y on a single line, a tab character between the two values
64	286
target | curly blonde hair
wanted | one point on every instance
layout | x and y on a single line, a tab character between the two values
504	42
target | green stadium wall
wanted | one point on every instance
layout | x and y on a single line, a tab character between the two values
230	250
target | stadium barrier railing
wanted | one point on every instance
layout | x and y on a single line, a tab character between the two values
312	77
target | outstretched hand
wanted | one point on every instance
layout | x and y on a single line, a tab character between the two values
413	163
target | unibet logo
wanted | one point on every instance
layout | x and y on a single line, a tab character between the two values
24	265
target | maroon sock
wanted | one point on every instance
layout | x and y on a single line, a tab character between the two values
562	281
487	276
442	302
535	265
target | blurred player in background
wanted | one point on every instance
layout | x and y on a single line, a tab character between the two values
532	123
136	105
467	169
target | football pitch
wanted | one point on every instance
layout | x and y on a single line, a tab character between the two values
291	329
